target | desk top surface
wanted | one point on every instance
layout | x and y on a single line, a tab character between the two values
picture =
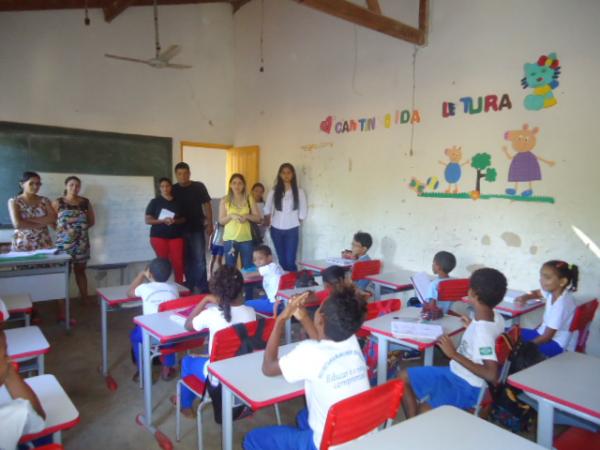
26	341
118	294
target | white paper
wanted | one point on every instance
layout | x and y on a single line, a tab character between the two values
415	329
512	295
340	261
166	214
421	282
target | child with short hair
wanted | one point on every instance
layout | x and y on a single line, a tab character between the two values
271	274
152	286
558	280
361	243
333	277
220	309
330	363
443	263
471	365
23	414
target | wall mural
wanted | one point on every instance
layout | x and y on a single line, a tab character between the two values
542	76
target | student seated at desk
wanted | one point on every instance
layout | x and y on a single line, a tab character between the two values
24	413
558	280
271	273
443	263
333	277
223	307
472	364
3	312
152	286
361	243
330	363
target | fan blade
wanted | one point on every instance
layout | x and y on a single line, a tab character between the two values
170	53
178	66
125	58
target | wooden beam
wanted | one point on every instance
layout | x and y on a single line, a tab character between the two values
424	19
38	5
373	6
358	15
237	4
114	8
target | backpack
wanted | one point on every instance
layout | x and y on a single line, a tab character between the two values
305	278
507	409
249	344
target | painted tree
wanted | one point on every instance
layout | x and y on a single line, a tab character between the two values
482	162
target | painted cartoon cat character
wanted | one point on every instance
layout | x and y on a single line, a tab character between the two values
542	76
453	171
524	165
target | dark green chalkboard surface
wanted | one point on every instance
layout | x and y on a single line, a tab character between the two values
54	149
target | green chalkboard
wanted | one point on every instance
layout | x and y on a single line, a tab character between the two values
53	149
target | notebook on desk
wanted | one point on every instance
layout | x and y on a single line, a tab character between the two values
512	295
343	262
421	282
406	328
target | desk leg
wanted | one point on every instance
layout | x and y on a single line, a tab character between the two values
377	291
147	368
27	319
382	353
545	426
227	420
104	329
40	364
67	302
428	356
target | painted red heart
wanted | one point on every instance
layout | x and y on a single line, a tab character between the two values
326	124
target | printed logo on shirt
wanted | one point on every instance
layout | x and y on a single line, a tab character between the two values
485	351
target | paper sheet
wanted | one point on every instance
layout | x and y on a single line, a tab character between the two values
166	214
415	329
421	282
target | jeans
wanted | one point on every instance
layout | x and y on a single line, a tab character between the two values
195	261
282	437
286	247
171	249
234	248
136	341
191	365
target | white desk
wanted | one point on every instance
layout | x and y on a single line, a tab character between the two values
446	428
398	280
567	382
242	377
114	299
381	328
163	329
18	304
27	343
514	311
319	265
44	278
61	414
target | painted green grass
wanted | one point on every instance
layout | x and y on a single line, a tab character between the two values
514	198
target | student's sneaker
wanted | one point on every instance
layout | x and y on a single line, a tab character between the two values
167	373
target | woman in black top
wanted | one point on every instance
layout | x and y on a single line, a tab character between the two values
166	234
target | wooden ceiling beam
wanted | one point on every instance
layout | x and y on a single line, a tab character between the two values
40	5
359	15
237	4
373	6
115	7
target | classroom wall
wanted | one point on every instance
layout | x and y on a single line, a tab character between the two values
54	72
317	66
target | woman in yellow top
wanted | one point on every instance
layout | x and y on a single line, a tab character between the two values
236	211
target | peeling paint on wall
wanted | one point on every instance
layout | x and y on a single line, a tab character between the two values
511	239
486	240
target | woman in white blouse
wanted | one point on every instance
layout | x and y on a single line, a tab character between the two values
286	209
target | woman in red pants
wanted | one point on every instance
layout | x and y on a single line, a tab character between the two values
166	235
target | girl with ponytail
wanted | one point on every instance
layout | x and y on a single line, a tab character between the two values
220	309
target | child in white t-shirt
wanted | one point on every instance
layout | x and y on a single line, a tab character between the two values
330	363
271	273
153	287
472	364
222	308
23	414
4	315
558	279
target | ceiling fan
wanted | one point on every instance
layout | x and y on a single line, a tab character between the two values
161	59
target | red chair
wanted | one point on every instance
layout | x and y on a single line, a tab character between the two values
453	290
504	348
360	414
578	439
584	314
362	269
377	309
226	343
157	350
50	447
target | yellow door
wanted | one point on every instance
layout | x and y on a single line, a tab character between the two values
243	160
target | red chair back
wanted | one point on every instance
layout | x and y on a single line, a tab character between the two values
288	281
355	416
504	348
577	439
584	314
182	302
377	309
453	290
362	269
226	343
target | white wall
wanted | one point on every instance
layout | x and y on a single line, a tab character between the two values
317	65
209	166
54	72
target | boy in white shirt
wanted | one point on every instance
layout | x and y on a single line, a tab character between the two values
24	413
472	364
152	286
443	263
271	273
330	363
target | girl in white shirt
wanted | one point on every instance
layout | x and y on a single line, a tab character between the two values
558	280
222	308
285	210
